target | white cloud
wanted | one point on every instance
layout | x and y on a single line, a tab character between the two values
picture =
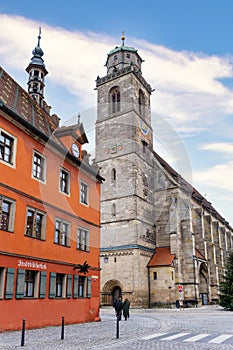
219	176
188	85
225	148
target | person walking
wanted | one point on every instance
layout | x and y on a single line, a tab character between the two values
126	305
118	305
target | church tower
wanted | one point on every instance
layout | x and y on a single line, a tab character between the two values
124	154
37	72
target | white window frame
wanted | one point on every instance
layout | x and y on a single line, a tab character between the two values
43	167
63	285
86	201
43	225
12	212
58	240
81	234
35	284
68	181
14	148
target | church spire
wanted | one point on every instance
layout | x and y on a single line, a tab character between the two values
37	71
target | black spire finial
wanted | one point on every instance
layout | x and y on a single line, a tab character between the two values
39	37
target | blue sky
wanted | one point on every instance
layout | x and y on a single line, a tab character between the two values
188	51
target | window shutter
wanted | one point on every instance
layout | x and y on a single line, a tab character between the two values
42	284
9	283
20	284
69	286
76	286
52	285
89	286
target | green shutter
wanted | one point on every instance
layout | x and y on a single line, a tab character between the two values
42	284
20	284
75	286
89	286
9	283
69	286
52	285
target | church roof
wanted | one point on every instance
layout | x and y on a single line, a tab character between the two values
123	48
199	255
161	257
187	187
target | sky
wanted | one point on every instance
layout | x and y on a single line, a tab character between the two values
187	49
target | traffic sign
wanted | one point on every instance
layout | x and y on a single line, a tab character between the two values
180	288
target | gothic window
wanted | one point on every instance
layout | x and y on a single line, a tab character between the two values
114	99
141	104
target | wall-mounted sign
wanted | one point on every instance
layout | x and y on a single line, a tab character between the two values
32	264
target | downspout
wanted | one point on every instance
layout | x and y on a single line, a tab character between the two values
194	277
148	275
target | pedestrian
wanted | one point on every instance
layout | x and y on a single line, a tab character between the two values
118	307
126	305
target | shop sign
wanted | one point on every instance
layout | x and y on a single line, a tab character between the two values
32	264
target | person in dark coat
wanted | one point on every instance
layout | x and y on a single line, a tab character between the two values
126	305
118	305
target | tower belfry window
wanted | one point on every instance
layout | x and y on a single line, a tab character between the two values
114	100
141	102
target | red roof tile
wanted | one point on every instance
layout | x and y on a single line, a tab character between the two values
161	257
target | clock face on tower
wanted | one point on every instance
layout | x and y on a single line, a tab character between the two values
75	150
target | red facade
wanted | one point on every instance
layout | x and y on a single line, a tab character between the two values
49	217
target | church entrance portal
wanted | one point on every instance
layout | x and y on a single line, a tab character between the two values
111	290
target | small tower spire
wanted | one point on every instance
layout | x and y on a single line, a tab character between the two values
123	38
37	71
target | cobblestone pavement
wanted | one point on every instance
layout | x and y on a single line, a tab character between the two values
204	328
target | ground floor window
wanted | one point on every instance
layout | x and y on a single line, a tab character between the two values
30	280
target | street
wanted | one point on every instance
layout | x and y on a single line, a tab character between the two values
208	327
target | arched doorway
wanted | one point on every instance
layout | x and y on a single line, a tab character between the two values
111	290
203	284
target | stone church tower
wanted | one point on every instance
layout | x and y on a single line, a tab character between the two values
124	141
161	240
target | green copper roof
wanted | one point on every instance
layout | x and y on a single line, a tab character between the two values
123	48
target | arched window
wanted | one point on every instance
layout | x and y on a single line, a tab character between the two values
114	99
141	102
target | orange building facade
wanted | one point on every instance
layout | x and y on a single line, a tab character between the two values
49	211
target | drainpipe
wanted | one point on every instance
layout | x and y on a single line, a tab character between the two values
148	275
194	277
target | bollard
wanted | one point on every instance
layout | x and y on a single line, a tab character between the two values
23	333
117	328
62	328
